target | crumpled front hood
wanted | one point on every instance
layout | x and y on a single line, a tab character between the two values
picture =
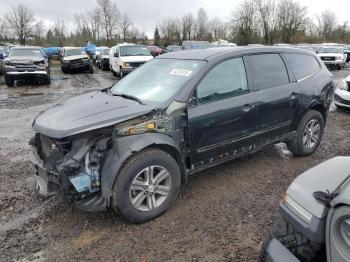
87	112
27	60
325	176
74	57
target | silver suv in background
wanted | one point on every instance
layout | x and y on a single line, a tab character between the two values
333	56
26	63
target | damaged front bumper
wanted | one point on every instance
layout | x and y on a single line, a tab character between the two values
46	182
75	173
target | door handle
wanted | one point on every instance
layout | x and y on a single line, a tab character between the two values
294	95
247	108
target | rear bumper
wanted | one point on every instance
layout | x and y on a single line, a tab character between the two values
276	252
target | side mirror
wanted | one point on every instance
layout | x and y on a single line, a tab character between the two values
116	54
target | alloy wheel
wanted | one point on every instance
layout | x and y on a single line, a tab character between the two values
150	188
311	133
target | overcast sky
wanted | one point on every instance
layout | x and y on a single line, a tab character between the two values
147	13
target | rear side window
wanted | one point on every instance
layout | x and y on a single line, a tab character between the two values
302	65
268	70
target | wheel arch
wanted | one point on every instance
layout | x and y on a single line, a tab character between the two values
320	108
125	148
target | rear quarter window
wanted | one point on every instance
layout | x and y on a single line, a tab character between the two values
268	70
302	65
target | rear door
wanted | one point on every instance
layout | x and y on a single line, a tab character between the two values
277	95
223	121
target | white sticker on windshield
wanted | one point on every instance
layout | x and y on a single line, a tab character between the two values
180	72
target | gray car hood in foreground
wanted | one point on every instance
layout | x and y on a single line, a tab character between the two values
325	176
87	112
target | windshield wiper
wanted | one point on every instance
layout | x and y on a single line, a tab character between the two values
131	97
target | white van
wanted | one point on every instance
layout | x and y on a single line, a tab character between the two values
125	58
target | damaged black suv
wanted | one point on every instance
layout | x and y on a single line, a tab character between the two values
131	146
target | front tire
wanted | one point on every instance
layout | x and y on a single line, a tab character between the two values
296	242
8	80
308	135
113	72
91	69
146	186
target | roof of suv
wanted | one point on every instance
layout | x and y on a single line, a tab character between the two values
206	54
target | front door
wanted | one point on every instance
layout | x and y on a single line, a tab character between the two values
223	121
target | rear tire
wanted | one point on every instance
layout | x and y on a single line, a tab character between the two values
155	193
294	241
48	80
64	70
298	146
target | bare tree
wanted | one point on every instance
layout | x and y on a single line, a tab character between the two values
125	25
170	30
110	17
188	26
245	22
291	18
4	33
59	32
202	20
93	22
266	18
327	23
218	28
22	22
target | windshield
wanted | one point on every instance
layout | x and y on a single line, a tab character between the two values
75	51
326	50
25	52
134	51
105	51
157	80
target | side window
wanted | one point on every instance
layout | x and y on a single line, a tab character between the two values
268	70
302	65
226	79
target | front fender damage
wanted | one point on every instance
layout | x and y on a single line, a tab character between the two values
131	137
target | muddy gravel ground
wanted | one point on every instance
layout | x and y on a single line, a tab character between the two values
222	214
